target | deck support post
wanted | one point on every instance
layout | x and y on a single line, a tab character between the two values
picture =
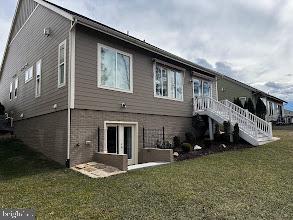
211	130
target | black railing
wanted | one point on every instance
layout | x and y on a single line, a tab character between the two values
156	138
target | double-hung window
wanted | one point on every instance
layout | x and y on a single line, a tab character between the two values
28	74
168	83
62	64
15	87
10	91
38	78
114	69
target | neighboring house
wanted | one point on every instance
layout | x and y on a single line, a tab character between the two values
80	91
230	89
288	117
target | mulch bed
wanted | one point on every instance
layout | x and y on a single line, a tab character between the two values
211	148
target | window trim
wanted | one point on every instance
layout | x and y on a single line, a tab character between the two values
154	81
99	66
15	87
27	70
60	85
38	95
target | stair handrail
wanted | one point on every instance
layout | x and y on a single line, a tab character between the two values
262	125
204	103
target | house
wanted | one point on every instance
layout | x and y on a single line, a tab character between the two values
229	88
288	116
79	90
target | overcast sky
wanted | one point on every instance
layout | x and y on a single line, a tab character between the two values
248	40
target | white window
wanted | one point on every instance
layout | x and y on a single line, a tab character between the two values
38	77
15	88
202	88
62	64
10	91
168	83
28	75
114	69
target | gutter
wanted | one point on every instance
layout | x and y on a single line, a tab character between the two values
119	35
71	86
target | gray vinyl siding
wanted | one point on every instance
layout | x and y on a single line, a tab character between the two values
26	7
29	46
142	100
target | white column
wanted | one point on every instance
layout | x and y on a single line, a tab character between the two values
211	129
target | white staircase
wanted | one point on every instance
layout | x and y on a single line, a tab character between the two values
253	129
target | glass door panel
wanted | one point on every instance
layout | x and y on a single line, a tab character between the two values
197	88
120	140
112	139
206	89
128	142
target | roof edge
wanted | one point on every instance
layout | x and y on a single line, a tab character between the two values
252	88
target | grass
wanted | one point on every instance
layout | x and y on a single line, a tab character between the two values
254	183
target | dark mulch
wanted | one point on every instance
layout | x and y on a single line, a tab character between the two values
210	148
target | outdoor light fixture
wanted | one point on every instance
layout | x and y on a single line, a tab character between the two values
123	105
47	32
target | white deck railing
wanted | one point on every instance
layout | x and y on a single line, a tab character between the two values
249	123
262	125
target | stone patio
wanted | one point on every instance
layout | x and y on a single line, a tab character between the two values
96	170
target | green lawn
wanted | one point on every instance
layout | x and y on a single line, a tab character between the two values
254	183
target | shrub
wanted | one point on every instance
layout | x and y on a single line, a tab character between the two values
227	126
200	125
186	147
2	109
176	141
249	106
217	128
166	145
238	102
189	138
260	109
236	134
227	130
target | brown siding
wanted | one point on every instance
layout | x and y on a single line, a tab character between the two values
29	46
89	96
85	123
25	9
46	134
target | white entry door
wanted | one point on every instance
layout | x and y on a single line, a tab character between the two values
120	139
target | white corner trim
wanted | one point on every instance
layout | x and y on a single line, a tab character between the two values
55	9
71	74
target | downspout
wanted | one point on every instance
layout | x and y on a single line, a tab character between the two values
71	86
